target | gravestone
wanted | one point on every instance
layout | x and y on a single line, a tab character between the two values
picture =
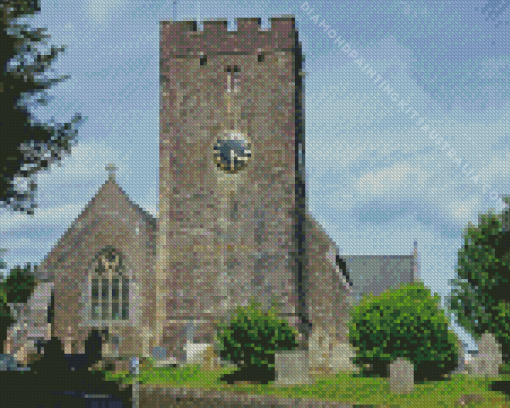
342	359
401	376
292	367
319	352
195	352
209	359
489	357
467	399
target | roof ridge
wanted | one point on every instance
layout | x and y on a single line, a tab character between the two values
144	213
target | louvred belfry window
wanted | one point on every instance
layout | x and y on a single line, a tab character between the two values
109	287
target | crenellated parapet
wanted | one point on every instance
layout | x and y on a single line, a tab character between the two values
182	39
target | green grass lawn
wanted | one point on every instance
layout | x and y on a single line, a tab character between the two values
342	387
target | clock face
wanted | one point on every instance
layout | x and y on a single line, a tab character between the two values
232	153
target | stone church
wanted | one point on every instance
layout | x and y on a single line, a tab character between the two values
233	222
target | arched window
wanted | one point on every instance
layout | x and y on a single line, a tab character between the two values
109	285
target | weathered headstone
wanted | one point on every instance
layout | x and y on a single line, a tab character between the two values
195	352
292	367
401	376
342	359
320	352
489	357
467	399
210	360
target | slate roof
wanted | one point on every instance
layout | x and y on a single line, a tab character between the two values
376	273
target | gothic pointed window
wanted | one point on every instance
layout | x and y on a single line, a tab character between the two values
109	286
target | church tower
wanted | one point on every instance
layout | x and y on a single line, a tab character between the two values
232	196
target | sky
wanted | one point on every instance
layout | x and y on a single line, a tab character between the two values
417	156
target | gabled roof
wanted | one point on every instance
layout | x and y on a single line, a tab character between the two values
111	188
376	273
109	191
313	224
145	215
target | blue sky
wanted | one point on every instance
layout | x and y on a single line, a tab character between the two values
375	178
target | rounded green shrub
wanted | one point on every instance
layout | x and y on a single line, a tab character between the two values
250	340
405	322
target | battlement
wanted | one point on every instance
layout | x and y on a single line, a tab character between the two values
181	38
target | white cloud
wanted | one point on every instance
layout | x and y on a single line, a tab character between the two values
64	191
44	217
464	210
384	181
86	162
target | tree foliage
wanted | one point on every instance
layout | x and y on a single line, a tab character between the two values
50	379
27	146
405	322
480	295
20	283
6	320
251	339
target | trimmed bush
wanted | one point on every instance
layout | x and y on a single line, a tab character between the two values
250	341
405	322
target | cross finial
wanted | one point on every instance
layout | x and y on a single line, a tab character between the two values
111	168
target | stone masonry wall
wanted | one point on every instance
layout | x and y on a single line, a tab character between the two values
223	239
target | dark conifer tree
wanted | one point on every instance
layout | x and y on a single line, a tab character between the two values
27	146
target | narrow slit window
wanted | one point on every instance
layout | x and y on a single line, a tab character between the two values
105	311
125	311
115	290
105	290
95	289
115	311
95	310
233	79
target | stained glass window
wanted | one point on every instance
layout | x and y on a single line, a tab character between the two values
109	287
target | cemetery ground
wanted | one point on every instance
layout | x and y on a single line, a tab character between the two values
344	387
